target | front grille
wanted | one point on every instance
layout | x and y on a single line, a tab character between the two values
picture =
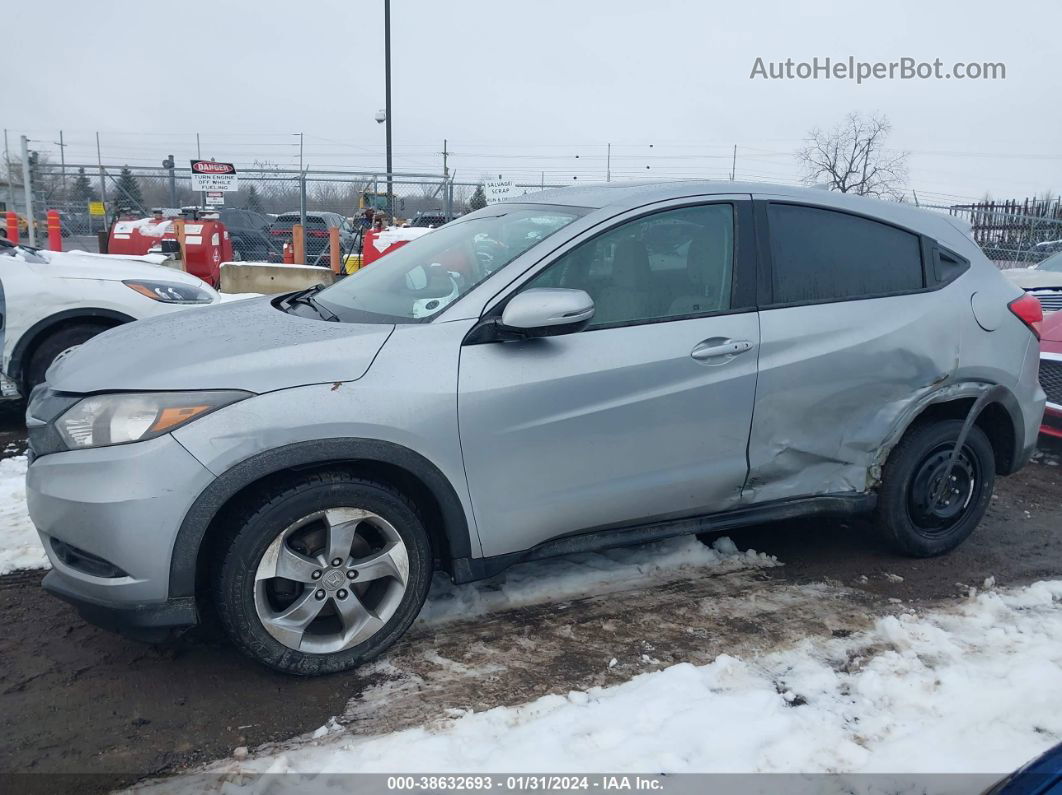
1050	301
1051	380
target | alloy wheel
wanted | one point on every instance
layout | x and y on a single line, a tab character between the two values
331	580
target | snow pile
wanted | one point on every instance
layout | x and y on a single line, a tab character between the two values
397	234
227	297
975	688
20	546
577	575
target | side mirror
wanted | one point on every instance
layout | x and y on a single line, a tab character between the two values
547	312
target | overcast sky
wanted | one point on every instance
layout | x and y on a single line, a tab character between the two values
524	87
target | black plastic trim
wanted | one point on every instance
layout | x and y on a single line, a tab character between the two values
150	622
300	455
590	540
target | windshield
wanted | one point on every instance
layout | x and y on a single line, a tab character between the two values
1052	263
417	281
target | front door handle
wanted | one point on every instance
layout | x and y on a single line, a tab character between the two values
717	348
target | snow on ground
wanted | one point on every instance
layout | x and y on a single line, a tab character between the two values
976	687
571	576
20	546
226	297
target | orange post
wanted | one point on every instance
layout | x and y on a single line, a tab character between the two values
333	248
12	226
289	255
178	230
298	243
55	231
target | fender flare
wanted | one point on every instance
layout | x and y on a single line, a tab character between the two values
193	529
960	390
44	325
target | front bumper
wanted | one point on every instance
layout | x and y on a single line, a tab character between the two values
151	623
108	518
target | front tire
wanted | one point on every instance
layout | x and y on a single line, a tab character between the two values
323	574
56	344
908	515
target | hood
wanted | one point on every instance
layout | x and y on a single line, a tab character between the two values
1051	330
109	267
1030	278
249	345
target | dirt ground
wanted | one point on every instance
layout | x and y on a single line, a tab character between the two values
85	702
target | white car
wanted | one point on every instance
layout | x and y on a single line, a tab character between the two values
1044	280
51	302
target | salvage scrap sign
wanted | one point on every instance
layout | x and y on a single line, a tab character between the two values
210	175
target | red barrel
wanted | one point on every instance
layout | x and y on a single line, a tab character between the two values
55	231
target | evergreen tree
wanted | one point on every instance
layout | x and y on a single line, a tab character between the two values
82	191
254	201
129	194
478	200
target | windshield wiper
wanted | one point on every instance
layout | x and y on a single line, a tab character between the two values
307	297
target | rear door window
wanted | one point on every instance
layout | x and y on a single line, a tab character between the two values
823	255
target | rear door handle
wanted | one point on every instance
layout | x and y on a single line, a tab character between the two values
716	349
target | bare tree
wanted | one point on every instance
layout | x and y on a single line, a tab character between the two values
852	158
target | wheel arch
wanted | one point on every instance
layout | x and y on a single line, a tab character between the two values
32	337
389	463
1000	419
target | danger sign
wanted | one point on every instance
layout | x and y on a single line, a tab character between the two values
210	175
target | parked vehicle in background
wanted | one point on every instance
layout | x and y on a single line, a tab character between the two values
249	235
316	234
1051	373
432	218
1044	280
578	369
57	301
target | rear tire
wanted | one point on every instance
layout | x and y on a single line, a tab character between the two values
296	530
57	343
906	514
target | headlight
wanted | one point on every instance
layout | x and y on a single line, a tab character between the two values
169	292
103	420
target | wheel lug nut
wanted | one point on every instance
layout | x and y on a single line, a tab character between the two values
352	575
341	594
337	561
320	595
316	575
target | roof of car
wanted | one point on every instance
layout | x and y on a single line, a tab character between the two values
621	196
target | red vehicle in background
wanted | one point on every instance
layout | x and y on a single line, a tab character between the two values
1051	373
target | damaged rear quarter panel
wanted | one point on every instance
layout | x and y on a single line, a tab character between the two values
837	381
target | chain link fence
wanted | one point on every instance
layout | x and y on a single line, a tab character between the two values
1012	234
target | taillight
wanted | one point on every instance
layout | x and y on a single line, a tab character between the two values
1028	310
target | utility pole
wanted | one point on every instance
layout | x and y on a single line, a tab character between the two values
302	188
199	156
103	179
62	163
733	164
445	154
170	166
27	186
608	164
387	104
7	171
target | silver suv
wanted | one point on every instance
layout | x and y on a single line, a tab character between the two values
578	369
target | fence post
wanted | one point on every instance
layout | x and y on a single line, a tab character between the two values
27	186
298	243
449	189
302	202
55	231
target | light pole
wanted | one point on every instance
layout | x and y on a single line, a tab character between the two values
387	101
